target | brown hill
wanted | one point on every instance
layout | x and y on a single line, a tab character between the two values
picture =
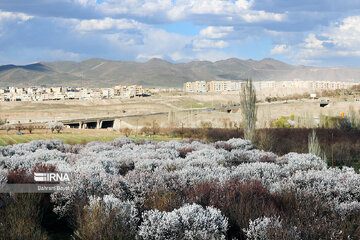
159	73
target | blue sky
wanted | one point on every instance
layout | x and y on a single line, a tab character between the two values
306	32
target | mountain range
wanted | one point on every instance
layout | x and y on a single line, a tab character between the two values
156	72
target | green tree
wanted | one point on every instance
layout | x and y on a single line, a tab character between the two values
249	110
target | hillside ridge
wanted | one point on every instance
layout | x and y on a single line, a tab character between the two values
156	72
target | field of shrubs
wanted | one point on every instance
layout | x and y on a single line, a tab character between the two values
340	146
189	189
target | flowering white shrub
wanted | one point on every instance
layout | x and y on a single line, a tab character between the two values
187	222
297	161
121	141
125	211
240	144
126	172
3	176
207	157
31	159
86	184
339	187
96	147
255	155
347	208
260	228
25	148
195	175
141	183
267	173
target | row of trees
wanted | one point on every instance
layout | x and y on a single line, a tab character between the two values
53	126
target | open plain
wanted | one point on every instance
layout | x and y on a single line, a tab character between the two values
176	109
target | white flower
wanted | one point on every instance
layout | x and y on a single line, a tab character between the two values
187	222
125	211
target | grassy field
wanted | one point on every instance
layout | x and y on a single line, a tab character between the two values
73	137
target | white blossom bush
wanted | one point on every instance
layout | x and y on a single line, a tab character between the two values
267	173
142	183
258	228
129	171
86	184
187	222
266	228
347	208
207	158
339	187
3	176
196	175
121	141
240	144
96	147
125	211
33	146
296	161
255	155
32	158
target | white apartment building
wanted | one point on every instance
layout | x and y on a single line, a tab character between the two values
198	86
292	86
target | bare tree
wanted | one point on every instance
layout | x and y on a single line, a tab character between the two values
155	128
19	127
7	127
314	146
30	128
55	126
3	121
127	131
249	110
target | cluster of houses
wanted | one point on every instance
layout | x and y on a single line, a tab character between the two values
69	93
236	86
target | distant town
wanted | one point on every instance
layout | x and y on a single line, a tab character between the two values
263	88
70	93
267	87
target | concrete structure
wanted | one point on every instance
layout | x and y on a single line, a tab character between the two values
115	122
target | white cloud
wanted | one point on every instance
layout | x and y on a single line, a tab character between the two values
345	34
207	43
280	49
224	11
244	4
216	32
311	42
6	17
340	39
20	17
135	7
261	16
144	57
86	3
106	24
151	42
